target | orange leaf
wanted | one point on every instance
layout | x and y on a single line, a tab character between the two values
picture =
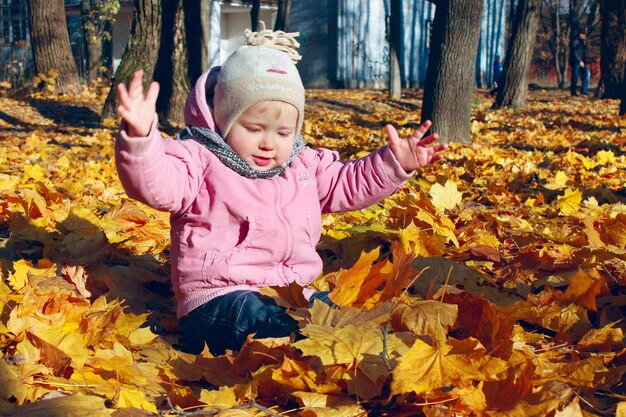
584	288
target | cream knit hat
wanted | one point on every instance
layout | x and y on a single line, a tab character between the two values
261	70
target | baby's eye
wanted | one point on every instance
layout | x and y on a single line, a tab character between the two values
253	129
284	134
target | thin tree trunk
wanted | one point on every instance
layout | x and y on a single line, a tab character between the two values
282	16
613	46
51	44
141	50
395	53
174	79
93	41
622	106
196	26
555	43
254	14
450	83
514	91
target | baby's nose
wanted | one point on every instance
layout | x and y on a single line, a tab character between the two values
267	142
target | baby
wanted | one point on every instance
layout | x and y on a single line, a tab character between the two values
244	192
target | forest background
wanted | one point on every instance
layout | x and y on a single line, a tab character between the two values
493	284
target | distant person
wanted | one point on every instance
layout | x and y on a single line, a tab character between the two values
578	62
497	75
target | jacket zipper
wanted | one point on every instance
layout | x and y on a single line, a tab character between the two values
285	224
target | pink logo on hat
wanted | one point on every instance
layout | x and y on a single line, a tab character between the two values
275	61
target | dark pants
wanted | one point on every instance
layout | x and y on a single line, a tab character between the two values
584	74
226	321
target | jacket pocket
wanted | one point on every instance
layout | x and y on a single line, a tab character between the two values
217	263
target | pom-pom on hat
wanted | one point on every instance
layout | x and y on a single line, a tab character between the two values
261	70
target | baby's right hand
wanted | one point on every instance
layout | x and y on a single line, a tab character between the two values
136	109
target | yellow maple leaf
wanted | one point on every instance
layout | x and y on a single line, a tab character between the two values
615	230
11	385
76	405
141	336
583	373
559	181
569	202
422	316
24	270
130	397
323	405
606	157
345	345
296	375
602	339
34	172
222	398
419	242
445	197
458	363
118	361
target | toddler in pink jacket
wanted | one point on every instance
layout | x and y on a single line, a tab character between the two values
244	193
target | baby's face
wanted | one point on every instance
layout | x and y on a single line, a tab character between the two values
264	134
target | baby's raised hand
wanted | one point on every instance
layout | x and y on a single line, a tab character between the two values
414	152
136	109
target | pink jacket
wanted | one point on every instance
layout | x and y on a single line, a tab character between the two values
232	233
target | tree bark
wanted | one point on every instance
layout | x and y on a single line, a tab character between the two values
92	40
622	105
559	48
141	50
254	14
51	44
96	17
173	64
395	49
613	46
514	90
451	68
282	16
197	26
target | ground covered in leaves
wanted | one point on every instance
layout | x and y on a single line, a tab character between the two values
491	285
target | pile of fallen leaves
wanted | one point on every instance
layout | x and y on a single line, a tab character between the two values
493	284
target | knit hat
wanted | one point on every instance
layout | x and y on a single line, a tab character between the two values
261	70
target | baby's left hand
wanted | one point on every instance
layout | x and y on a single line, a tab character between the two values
414	152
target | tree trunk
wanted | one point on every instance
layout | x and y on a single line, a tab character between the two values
196	26
558	48
622	105
141	50
613	46
395	53
282	16
51	44
173	64
450	83
92	40
254	15
514	90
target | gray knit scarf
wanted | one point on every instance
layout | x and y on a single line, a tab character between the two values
216	144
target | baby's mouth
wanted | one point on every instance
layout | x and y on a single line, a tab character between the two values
262	161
